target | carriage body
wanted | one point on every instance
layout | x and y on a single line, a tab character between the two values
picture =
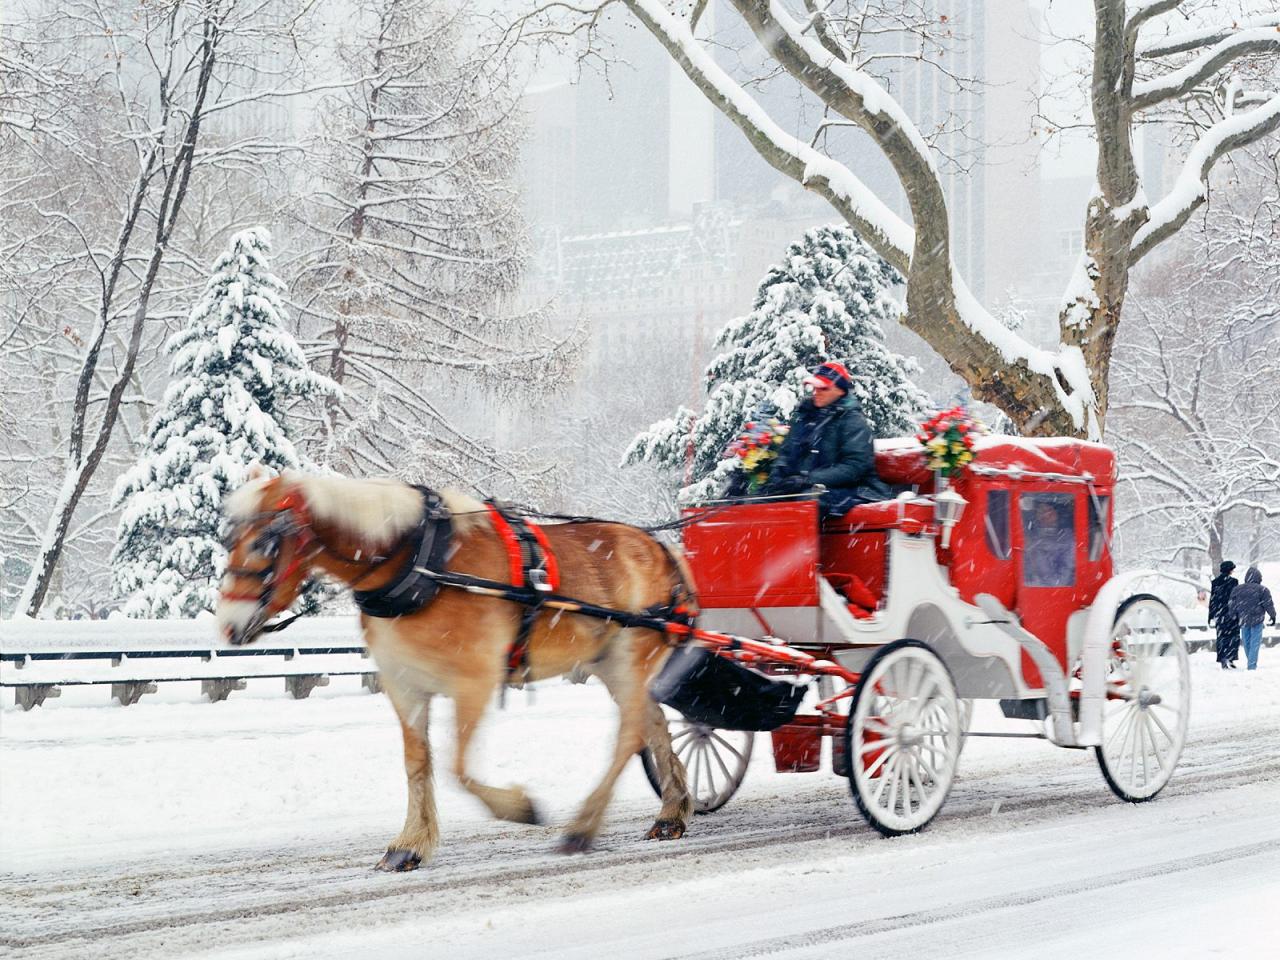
1015	601
772	568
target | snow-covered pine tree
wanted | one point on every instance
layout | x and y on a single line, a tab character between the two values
826	301
235	372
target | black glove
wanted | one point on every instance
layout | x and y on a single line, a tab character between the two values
791	483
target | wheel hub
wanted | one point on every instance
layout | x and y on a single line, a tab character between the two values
910	736
1147	698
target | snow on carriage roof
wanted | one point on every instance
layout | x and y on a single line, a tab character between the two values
901	459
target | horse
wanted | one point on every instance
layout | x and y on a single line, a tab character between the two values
360	532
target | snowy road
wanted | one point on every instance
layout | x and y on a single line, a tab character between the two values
248	829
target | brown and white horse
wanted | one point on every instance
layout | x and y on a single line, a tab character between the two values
286	528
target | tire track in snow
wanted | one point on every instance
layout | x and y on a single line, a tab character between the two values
848	933
268	888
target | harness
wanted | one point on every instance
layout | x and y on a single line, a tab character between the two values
411	589
535	571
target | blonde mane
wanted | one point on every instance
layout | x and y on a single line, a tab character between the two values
376	510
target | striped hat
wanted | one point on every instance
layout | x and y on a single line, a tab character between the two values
830	374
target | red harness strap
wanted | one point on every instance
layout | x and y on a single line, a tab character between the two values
509	540
520	565
532	566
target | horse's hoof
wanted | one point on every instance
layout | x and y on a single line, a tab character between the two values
530	814
665	830
399	861
575	843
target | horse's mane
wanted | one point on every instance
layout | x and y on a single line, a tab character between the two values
376	510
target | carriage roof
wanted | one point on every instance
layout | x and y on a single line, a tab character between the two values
901	460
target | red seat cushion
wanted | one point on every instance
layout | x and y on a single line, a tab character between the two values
851	585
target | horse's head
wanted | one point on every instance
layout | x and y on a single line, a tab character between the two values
270	547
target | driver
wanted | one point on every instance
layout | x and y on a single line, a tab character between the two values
829	444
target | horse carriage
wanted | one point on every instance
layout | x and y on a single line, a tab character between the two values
891	619
896	616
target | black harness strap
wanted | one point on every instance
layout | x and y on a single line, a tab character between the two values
412	589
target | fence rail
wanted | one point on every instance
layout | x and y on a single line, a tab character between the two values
38	658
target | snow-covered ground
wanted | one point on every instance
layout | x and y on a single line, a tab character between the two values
248	829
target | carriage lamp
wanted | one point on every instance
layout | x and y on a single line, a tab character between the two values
947	507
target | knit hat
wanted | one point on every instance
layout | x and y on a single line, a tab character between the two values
830	374
1226	566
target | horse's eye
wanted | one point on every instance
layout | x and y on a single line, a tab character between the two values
267	544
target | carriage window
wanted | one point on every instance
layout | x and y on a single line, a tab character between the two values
1098	511
1049	539
997	523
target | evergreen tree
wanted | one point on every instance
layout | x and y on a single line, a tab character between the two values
234	374
826	301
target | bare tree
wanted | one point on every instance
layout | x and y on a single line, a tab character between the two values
1195	415
1147	58
415	243
111	129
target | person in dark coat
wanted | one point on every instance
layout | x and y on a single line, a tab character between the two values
1228	626
1249	603
829	444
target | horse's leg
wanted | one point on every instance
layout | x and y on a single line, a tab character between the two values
471	699
420	834
677	804
624	676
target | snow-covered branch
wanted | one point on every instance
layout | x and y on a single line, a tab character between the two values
1156	47
1191	187
1180	82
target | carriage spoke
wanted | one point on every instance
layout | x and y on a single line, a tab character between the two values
727	745
720	761
889	751
1155	718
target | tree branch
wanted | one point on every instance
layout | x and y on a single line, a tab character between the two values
1191	188
1178	83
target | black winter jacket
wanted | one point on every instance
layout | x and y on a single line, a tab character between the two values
1251	600
831	445
1218	597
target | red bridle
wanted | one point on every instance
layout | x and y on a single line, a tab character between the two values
298	525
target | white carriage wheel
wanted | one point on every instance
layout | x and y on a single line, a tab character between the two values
715	761
1148	705
903	738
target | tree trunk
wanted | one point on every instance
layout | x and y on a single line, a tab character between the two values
1217	532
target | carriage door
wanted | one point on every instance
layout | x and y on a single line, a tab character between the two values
1050	552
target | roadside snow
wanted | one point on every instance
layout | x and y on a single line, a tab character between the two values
247	829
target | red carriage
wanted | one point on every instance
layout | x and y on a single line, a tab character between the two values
999	586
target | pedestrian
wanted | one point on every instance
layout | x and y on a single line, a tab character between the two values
1249	602
1228	626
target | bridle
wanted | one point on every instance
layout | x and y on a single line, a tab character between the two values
290	518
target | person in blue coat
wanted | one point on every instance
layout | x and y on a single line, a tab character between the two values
1249	603
830	444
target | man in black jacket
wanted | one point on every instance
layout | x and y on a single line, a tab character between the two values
1249	604
830	444
1228	626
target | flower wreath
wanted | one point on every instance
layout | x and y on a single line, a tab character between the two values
948	440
